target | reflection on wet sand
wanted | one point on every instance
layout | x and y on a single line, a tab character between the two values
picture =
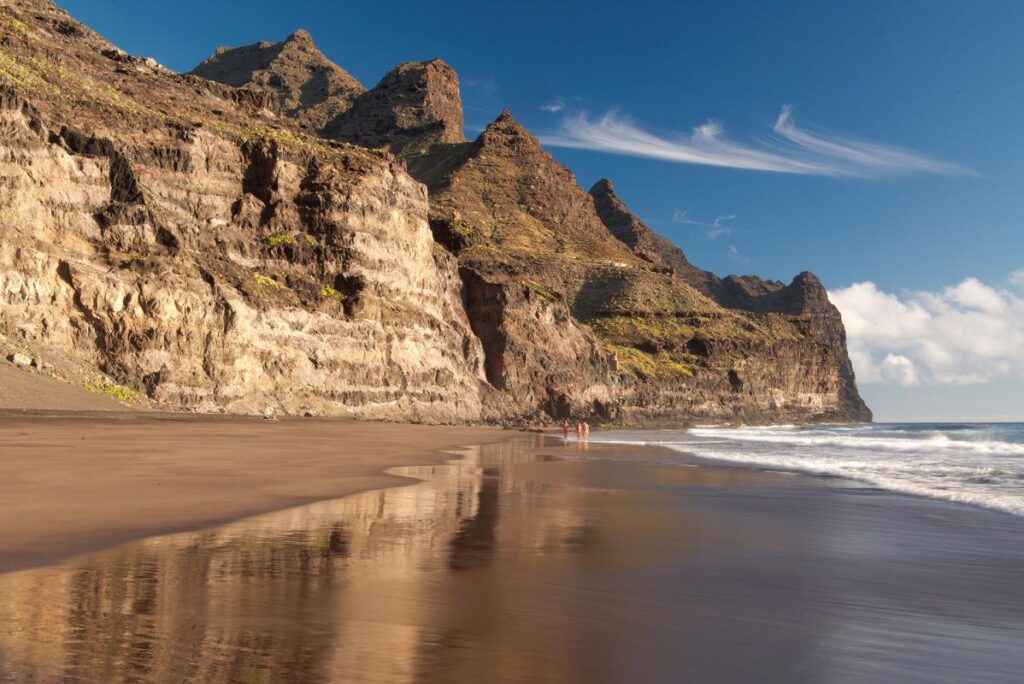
335	591
505	565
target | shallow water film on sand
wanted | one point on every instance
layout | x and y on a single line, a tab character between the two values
528	562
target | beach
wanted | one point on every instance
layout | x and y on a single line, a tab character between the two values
72	483
514	559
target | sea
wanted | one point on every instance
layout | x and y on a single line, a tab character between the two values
980	464
533	560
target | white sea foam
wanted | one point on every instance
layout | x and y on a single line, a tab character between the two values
979	464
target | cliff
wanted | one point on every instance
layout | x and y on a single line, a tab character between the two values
641	335
805	299
207	255
278	236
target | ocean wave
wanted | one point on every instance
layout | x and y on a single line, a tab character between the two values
922	443
980	465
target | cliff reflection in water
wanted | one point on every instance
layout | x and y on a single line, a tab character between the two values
508	567
343	590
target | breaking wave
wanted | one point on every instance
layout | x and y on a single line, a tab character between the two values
979	464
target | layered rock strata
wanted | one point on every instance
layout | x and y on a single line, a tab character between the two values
210	256
266	233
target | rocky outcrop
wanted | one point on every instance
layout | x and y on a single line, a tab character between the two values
631	231
503	192
644	242
209	258
416	105
681	354
310	88
805	298
512	214
196	246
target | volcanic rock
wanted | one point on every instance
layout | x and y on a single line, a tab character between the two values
310	88
236	238
415	105
212	257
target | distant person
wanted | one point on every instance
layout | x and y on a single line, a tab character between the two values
586	431
579	431
565	429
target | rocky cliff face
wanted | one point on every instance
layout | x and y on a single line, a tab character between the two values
805	299
192	242
642	336
213	258
416	105
310	88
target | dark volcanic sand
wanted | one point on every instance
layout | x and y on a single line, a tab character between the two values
512	567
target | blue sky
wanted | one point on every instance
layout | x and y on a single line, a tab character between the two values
937	79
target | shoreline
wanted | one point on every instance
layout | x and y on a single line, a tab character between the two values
874	461
519	556
72	485
223	476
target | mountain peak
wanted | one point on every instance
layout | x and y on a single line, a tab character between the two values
507	133
300	37
645	243
311	88
415	105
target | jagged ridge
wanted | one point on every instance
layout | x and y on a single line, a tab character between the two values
310	88
414	106
212	256
202	251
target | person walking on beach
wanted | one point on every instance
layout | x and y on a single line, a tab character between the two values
579	431
565	429
586	431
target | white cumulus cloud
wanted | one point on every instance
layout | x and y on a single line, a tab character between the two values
553	106
1017	277
966	333
899	369
787	149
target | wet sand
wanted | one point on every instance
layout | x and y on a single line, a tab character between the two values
526	561
70	484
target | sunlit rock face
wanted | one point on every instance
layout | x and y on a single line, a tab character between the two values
222	246
415	105
308	87
210	257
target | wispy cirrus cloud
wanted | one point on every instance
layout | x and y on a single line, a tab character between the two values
487	85
734	253
722	225
788	148
554	106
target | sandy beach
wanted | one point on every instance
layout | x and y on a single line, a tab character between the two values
74	483
520	559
